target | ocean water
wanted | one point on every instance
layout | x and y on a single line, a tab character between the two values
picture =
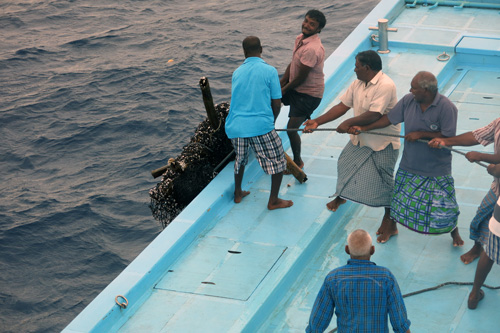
93	96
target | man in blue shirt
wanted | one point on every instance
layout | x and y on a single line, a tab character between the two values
255	104
361	293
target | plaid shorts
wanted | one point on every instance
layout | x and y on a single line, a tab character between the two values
268	150
492	248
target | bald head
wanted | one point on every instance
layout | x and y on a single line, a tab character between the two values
251	47
359	243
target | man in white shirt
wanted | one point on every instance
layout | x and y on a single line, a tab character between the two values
366	164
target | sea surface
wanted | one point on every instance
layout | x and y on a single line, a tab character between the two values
93	96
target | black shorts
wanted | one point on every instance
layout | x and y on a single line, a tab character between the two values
301	105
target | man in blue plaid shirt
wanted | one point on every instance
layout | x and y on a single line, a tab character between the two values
361	293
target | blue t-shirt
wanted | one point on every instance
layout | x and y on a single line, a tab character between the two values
254	84
441	116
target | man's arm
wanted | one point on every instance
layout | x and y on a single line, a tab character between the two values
284	79
276	106
397	310
335	112
465	139
494	170
382	122
366	118
422	135
322	311
297	81
475	156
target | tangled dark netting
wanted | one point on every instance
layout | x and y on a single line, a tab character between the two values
188	174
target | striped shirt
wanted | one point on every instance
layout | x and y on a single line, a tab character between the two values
362	295
486	135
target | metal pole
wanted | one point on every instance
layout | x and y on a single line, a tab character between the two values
382	36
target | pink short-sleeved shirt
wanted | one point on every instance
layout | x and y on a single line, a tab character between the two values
311	53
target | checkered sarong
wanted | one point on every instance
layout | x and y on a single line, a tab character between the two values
268	150
479	226
492	248
366	176
425	204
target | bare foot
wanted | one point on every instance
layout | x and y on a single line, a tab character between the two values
388	229
474	299
335	204
386	221
279	203
457	240
473	253
239	195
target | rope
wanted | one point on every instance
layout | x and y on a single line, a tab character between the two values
437	287
383	134
446	284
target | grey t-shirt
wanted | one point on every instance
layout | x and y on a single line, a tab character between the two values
441	116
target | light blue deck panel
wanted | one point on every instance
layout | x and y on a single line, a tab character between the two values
241	267
213	267
475	45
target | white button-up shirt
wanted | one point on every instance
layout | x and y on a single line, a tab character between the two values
378	95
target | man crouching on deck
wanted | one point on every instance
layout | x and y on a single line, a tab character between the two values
366	164
362	294
255	104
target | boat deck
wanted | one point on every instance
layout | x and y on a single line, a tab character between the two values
222	266
417	261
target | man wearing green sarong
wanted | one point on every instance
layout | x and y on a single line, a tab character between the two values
424	193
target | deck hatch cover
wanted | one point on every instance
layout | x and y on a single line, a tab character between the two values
221	267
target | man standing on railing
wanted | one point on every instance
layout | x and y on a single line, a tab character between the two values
255	104
424	193
362	294
366	164
303	83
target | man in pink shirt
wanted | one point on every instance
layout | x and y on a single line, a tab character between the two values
303	83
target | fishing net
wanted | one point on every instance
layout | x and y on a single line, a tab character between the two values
188	174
